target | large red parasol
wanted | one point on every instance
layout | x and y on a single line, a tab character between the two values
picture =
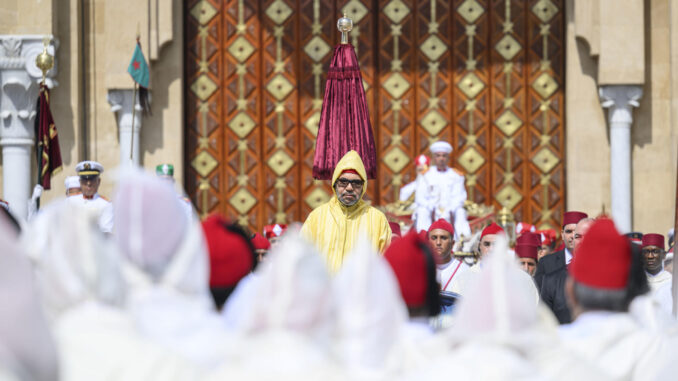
344	119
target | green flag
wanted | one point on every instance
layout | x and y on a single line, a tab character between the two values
138	68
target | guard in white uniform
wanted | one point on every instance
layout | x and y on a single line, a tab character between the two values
442	194
657	277
419	187
166	172
89	172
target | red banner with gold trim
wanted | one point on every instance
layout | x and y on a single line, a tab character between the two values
47	141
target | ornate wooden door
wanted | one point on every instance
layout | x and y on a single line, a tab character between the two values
485	75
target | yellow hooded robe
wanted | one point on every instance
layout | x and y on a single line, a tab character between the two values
335	228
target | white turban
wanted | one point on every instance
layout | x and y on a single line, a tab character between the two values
441	146
72	182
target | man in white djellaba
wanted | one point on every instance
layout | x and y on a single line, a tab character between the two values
441	194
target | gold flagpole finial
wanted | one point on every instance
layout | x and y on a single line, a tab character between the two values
344	25
44	61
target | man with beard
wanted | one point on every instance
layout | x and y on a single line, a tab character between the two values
441	239
336	225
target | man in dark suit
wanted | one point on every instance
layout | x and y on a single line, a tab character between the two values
552	269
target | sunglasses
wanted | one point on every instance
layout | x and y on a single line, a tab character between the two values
342	182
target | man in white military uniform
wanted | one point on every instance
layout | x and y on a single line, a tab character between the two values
89	172
443	194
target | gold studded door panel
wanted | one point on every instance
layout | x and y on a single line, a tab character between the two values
485	75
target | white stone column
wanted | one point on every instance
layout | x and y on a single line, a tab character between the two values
19	85
620	99
121	104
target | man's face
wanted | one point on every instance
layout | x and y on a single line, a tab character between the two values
653	258
442	242
89	185
529	265
440	159
543	251
421	169
579	231
261	254
73	191
486	244
348	188
568	236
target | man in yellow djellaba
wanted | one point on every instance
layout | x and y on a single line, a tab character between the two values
335	226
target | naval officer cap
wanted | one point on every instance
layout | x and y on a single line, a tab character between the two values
89	169
441	147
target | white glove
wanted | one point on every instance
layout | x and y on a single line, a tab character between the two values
37	192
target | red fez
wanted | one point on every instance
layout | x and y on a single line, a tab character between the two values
423	160
492	228
230	255
442	224
573	217
395	228
652	239
548	236
274	230
350	171
526	251
603	259
523	227
409	266
260	243
528	238
423	234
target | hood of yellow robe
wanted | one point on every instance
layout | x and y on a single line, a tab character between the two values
351	160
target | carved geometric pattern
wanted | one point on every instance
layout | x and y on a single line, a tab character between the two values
509	196
545	10
545	85
243	201
355	10
279	11
396	159
280	162
241	49
470	10
433	47
317	48
471	85
471	160
452	72
508	123
203	87
433	122
203	11
508	47
545	160
396	85
204	163
396	10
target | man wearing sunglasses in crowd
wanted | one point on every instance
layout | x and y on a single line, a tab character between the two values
338	224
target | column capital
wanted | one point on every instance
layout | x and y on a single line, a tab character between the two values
19	82
620	99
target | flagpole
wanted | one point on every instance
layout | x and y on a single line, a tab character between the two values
134	111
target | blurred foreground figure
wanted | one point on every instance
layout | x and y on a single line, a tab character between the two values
27	350
89	198
605	278
232	256
286	324
500	333
167	270
334	226
79	276
370	314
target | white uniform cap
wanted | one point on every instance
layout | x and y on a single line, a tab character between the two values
441	146
88	168
72	182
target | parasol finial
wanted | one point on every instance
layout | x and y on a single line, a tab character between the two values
344	25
